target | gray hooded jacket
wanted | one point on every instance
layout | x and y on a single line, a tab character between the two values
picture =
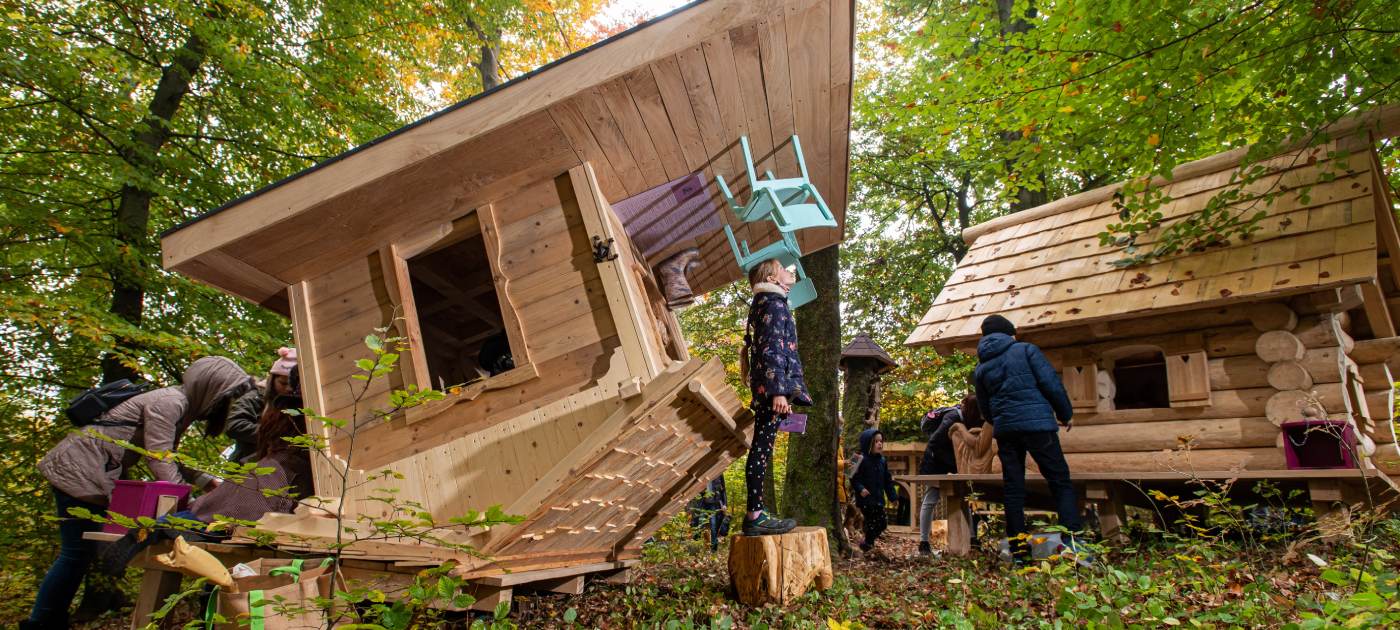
87	468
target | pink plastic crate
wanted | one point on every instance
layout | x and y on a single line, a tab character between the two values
140	498
1318	444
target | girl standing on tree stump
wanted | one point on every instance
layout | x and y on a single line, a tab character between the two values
770	364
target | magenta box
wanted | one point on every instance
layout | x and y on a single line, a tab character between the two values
1318	444
140	498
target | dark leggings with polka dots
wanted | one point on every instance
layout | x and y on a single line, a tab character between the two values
765	430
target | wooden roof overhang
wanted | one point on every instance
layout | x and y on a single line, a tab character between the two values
862	347
662	100
1044	268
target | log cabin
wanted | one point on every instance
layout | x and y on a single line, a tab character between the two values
525	224
1206	360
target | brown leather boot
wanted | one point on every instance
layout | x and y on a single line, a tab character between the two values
672	274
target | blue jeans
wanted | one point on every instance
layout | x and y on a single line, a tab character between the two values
1044	448
66	574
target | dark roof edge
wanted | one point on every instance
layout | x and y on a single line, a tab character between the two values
430	117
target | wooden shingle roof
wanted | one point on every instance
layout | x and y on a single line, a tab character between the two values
863	347
1045	268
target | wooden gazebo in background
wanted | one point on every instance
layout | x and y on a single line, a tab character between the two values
1201	362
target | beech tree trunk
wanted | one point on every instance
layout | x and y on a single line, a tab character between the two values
809	490
132	218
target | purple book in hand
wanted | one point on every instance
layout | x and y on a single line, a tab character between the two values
794	423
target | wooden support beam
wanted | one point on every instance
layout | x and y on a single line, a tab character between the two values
1338	300
959	527
1330	510
156	586
1377	312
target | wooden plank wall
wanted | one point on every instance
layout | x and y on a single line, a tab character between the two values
485	451
788	72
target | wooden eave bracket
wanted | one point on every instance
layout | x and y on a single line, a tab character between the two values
701	394
1339	299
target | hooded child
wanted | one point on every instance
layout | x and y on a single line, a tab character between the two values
83	469
871	484
771	366
1020	393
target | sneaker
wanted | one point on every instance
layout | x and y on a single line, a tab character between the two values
925	549
767	525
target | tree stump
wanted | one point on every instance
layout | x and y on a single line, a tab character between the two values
779	569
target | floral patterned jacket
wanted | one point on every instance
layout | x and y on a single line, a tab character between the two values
771	338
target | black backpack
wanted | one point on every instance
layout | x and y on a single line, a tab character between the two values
938	456
85	409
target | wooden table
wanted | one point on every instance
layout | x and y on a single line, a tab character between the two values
158	582
1331	493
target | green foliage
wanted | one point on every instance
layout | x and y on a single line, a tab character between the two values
1154	582
278	87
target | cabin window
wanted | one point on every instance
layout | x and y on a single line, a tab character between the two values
1140	381
459	311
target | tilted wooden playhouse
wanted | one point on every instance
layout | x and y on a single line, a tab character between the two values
531	218
1199	361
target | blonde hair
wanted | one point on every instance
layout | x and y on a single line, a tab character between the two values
763	270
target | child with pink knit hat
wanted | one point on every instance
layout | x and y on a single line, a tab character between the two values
243	416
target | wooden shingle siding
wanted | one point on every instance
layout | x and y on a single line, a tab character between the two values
1052	270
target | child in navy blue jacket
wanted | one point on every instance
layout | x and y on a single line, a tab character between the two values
871	484
774	373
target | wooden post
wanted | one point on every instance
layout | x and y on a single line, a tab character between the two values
1330	509
778	569
156	586
1113	516
959	528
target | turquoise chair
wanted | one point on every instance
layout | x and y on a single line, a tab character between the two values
787	252
784	201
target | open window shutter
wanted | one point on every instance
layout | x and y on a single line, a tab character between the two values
1188	379
1081	382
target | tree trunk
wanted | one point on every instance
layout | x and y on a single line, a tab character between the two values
1014	22
855	402
488	63
809	491
133	213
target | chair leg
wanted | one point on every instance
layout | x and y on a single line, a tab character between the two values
728	196
734	245
748	160
801	162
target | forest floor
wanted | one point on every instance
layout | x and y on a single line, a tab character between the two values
1290	581
1193	583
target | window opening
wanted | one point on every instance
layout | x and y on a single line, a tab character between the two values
459	312
1140	381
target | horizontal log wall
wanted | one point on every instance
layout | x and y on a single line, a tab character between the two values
1235	429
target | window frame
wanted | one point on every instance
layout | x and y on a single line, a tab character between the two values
395	257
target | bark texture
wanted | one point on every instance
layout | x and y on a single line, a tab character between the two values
809	490
133	214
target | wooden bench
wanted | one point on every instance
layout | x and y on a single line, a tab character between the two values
1331	493
392	577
